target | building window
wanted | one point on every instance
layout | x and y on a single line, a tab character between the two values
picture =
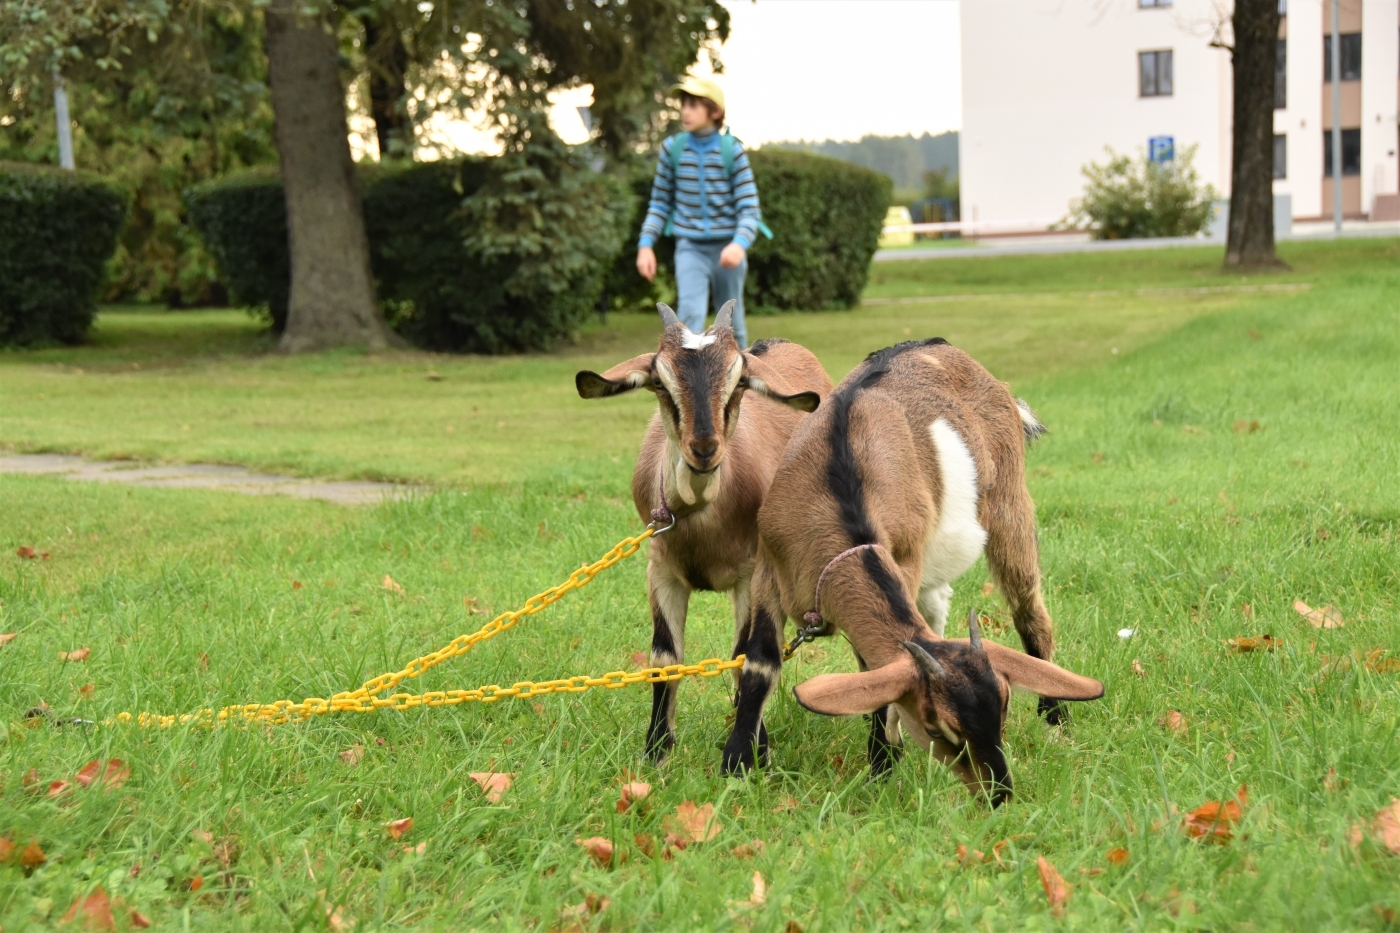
1351	57
1281	76
1155	74
1351	153
1280	155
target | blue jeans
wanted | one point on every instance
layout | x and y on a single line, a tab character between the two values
703	284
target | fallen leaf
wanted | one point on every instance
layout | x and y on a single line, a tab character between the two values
1247	610
352	755
203	835
397	828
196	883
26	552
788	803
32	856
590	906
970	856
793	927
598	849
1175	722
640	659
7	637
646	844
1214	820
418	849
1137	668
7	848
111	773
296	584
1246	426
1331	781
139	920
203	661
632	792
1385	827
1245	644
695	824
336	921
494	783
1177	905
1093	872
1117	856
87	690
389	584
748	849
988	587
31	781
95	909
1056	890
80	654
760	890
1328	616
59	788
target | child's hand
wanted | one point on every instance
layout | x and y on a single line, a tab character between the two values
646	262
732	256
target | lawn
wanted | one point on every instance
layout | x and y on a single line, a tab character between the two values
1162	507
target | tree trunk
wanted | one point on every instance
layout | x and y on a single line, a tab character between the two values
1251	230
332	301
388	63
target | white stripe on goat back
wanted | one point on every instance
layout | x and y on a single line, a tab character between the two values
956	539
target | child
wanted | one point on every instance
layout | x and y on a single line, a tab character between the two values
706	196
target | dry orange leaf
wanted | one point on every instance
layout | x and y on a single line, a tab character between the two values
494	783
598	849
59	788
389	584
397	828
7	637
640	659
95	909
352	755
32	856
1328	616
1245	644
296	584
760	890
1137	668
80	654
87	690
139	920
1385	827
31	780
1117	856
1175	722
575	917
1056	889
748	849
336	920
787	804
7	848
26	552
196	883
988	587
110	773
692	823
632	792
1214	820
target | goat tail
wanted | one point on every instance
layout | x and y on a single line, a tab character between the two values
1030	424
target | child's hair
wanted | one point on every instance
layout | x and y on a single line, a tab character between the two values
715	110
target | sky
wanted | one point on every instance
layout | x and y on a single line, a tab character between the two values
810	69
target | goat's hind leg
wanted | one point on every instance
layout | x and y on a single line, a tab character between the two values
761	643
670	598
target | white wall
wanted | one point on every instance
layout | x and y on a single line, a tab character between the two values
1380	49
1302	120
1047	84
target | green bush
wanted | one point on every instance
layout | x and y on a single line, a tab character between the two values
826	217
1128	198
439	289
57	231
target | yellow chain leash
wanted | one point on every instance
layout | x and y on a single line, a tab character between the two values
367	698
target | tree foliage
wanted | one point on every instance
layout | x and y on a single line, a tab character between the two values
1127	198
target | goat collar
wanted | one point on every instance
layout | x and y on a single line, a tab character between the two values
816	626
662	514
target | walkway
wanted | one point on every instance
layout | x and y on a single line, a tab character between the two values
200	476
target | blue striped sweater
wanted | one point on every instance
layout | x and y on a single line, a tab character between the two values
709	205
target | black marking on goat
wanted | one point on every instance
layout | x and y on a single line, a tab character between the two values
972	689
699	371
695	576
883	752
661	640
891	588
760	347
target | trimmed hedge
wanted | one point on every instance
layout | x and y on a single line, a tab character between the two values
57	231
437	290
826	217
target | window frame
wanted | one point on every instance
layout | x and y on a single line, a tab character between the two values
1157	57
1281	76
1355	60
1280	149
1353	133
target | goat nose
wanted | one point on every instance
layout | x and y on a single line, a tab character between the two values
705	448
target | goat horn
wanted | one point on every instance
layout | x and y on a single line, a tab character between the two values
725	318
926	662
668	317
974	632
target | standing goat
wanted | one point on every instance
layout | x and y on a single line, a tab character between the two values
707	461
911	469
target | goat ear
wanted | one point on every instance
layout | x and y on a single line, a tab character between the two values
624	377
770	382
1040	677
853	694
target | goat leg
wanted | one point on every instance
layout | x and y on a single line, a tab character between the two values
669	600
763	662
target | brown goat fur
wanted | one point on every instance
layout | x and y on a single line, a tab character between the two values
919	454
711	452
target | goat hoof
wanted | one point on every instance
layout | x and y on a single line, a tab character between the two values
1054	711
659	747
738	756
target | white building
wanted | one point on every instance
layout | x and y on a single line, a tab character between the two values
1047	84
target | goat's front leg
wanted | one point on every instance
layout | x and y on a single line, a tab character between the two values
670	598
740	598
762	645
884	746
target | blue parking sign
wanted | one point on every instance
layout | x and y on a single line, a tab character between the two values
1161	149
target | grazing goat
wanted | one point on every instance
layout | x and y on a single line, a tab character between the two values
707	460
910	470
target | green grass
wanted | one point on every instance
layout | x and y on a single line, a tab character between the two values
1155	514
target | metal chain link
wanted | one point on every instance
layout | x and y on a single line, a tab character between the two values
367	699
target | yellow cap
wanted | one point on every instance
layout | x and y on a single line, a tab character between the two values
707	88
